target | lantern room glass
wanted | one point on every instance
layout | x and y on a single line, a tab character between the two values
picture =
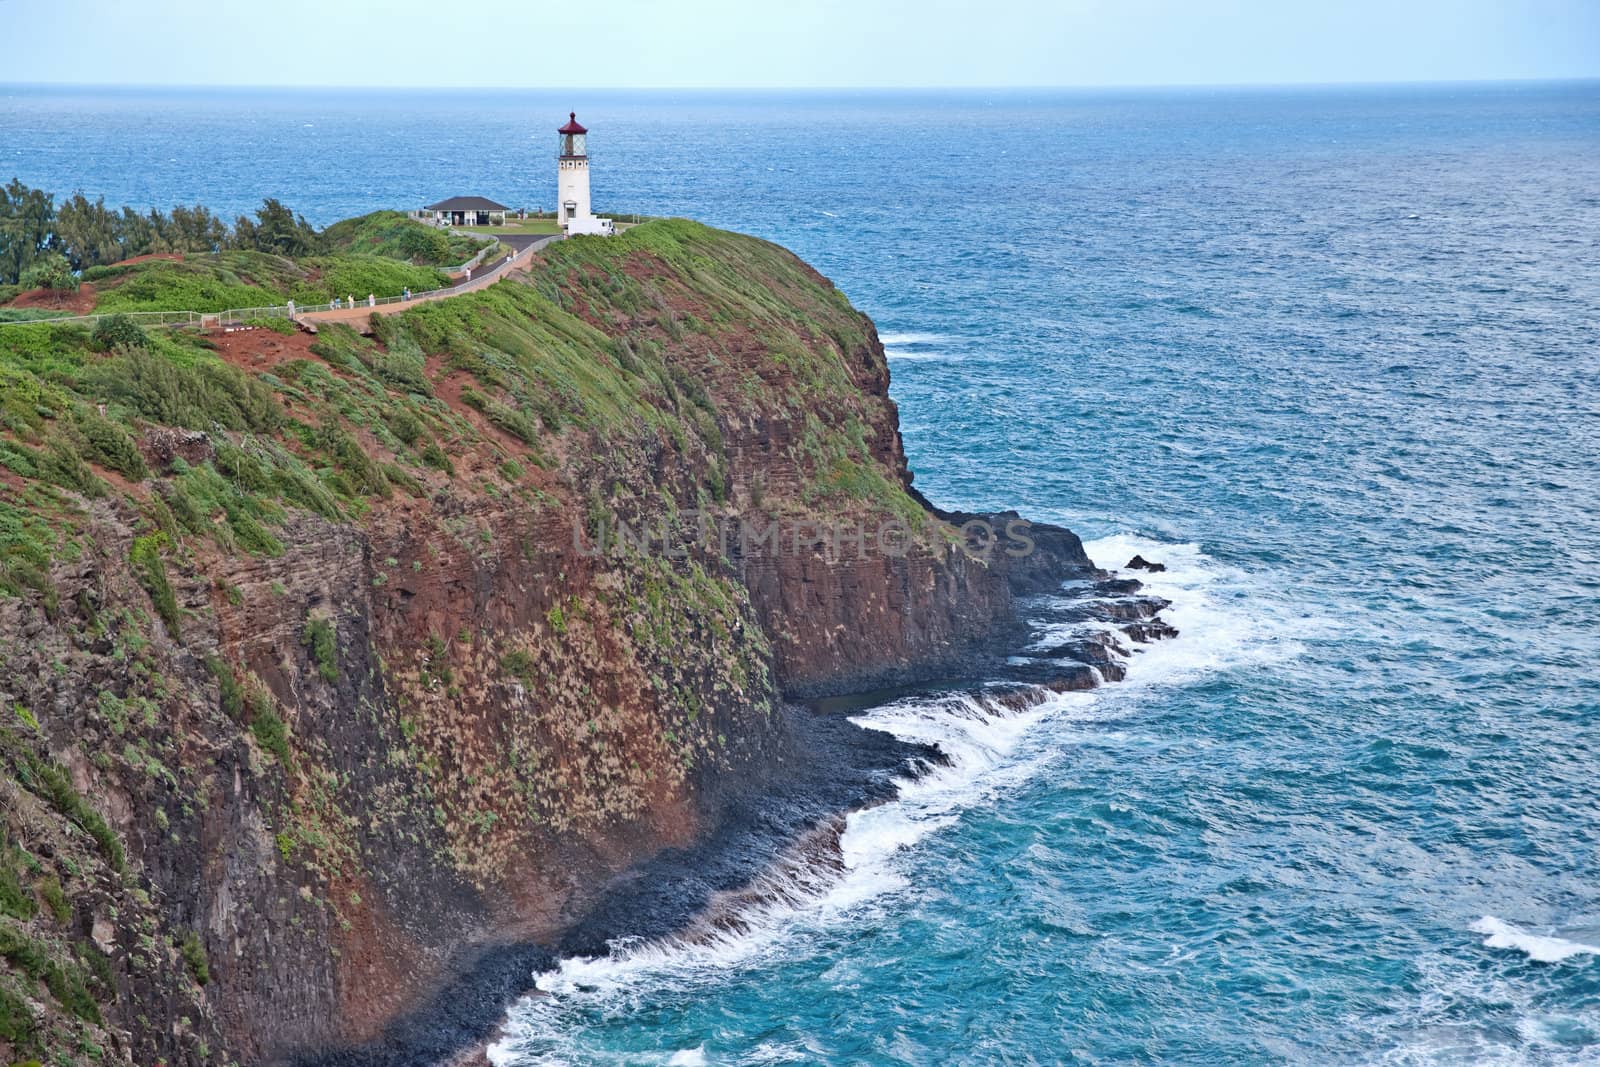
574	144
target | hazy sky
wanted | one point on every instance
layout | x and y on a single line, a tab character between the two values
739	43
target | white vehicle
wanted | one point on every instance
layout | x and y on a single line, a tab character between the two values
590	224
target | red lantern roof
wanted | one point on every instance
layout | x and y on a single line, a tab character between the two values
572	125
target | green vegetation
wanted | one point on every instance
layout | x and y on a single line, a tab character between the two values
15	900
16	1021
50	271
245	279
51	782
146	558
393	235
230	692
610	380
118	331
55	898
87	234
535	225
319	637
64	979
27	544
267	726
259	260
194	957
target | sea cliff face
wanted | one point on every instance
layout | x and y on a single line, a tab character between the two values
333	667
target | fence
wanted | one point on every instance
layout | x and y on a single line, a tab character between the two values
235	316
143	318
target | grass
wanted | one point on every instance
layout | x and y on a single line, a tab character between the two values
319	637
224	280
267	726
615	373
517	226
194	957
65	980
392	234
52	782
365	418
146	558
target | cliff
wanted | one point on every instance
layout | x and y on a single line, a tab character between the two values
335	666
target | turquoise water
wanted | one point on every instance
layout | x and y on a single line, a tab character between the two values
1331	355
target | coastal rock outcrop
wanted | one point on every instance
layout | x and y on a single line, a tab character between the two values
379	670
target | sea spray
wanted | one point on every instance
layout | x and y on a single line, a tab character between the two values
846	871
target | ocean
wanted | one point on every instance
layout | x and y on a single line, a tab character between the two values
1329	354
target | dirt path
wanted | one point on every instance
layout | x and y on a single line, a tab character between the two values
361	312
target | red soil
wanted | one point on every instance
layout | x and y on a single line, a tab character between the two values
259	349
81	302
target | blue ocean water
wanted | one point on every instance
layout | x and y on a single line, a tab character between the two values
1330	354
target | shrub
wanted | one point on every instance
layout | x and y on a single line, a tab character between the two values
405	426
319	636
118	331
352	460
65	981
56	900
435	457
231	692
518	663
268	727
196	396
194	954
50	271
15	900
110	445
16	1021
25	544
152	571
55	784
61	465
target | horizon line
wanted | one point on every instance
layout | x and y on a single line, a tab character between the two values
1083	87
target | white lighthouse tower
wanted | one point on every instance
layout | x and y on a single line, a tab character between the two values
572	182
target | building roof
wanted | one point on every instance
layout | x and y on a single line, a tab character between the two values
572	124
466	203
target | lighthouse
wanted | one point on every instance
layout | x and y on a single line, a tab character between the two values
572	182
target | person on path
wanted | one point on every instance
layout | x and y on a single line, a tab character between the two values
372	301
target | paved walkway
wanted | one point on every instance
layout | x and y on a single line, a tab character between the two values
525	244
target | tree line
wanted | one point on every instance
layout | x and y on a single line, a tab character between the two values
47	243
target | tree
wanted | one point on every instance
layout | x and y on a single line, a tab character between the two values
137	234
88	233
50	271
280	230
26	216
195	229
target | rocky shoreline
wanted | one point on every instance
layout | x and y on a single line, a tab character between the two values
826	768
330	727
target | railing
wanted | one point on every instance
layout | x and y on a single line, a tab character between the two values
143	318
475	260
236	316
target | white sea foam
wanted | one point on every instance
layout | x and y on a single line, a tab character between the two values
1540	948
893	338
991	749
912	346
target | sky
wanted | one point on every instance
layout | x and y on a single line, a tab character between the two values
793	43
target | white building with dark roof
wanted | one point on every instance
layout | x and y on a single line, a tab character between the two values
466	211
